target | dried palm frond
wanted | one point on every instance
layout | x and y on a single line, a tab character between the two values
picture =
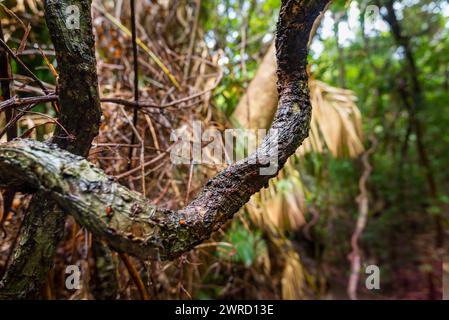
293	276
336	122
336	127
283	201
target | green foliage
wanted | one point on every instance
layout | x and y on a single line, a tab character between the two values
228	25
247	245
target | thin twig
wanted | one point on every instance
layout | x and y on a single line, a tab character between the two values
136	77
142	150
11	133
23	65
134	274
17	101
192	39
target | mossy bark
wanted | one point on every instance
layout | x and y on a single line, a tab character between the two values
78	84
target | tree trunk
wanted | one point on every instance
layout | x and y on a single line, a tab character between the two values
413	98
80	117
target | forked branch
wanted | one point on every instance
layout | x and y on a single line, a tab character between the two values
128	221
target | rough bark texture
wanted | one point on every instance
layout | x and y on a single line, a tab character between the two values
80	116
77	83
33	257
125	219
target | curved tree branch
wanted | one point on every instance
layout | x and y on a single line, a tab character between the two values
128	221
